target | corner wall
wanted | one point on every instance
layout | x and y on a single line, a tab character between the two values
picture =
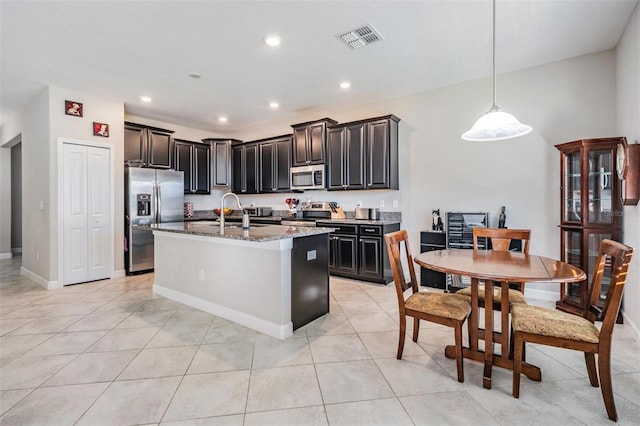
628	124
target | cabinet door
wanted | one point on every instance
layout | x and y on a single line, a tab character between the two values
251	169
315	143
134	149
183	163
347	254
571	187
221	160
601	181
237	155
267	172
160	149
201	168
283	164
378	154
354	161
335	158
300	157
370	257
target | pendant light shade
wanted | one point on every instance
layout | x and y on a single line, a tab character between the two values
496	124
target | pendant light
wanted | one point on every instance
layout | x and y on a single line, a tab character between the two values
495	124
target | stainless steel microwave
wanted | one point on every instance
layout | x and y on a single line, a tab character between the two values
308	177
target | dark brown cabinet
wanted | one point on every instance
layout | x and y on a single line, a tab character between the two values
275	164
245	168
358	251
146	146
194	159
221	160
590	211
382	153
346	157
431	241
309	141
363	154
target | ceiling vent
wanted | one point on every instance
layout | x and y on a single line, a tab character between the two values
360	37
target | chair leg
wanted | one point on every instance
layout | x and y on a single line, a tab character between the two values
590	359
604	365
403	331
416	329
459	363
517	364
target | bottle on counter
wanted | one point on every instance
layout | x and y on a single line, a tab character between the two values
245	219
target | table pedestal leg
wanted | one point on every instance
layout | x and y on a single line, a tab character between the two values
488	333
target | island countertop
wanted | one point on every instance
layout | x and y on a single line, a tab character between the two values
256	232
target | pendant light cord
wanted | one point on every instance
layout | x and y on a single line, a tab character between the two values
494	53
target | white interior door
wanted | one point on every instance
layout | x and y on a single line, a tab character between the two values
86	213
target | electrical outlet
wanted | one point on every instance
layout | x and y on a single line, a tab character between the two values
359	203
381	203
395	203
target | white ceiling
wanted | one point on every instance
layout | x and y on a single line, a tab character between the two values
125	49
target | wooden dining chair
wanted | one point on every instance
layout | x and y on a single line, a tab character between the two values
551	327
500	240
441	308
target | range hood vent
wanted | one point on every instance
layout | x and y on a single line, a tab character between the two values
360	37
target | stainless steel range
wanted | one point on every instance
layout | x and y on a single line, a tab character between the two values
315	210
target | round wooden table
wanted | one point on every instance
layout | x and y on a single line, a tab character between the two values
502	267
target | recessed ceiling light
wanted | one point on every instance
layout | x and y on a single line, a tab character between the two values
223	119
195	75
273	105
272	40
345	85
145	98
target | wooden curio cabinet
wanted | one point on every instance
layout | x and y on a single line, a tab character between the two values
590	211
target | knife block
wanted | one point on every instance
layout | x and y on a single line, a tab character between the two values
339	214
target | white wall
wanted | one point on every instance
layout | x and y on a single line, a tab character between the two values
628	124
96	109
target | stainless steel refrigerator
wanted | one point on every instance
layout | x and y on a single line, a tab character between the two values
151	196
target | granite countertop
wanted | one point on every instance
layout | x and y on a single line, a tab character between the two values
256	233
277	219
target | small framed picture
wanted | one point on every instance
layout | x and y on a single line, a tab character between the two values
100	129
73	108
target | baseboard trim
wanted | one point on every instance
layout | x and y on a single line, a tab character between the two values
119	274
255	323
6	255
631	324
49	285
16	250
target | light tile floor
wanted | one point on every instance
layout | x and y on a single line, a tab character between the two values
111	352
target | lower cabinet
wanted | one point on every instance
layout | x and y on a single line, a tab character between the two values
430	241
194	159
359	252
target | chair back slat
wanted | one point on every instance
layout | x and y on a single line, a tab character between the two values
501	237
394	242
617	257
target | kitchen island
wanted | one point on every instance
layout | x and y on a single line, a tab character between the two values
270	278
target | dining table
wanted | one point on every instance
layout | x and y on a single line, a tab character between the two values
500	267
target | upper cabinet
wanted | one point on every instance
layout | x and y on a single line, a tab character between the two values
382	153
363	154
221	160
309	141
194	159
346	156
148	146
275	164
245	168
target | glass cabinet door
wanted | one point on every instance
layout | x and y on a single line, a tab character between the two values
593	246
572	188
601	181
573	255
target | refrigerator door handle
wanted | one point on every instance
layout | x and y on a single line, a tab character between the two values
159	209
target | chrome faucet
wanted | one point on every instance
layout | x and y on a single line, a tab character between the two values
222	209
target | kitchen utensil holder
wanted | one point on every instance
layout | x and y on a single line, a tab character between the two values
339	214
